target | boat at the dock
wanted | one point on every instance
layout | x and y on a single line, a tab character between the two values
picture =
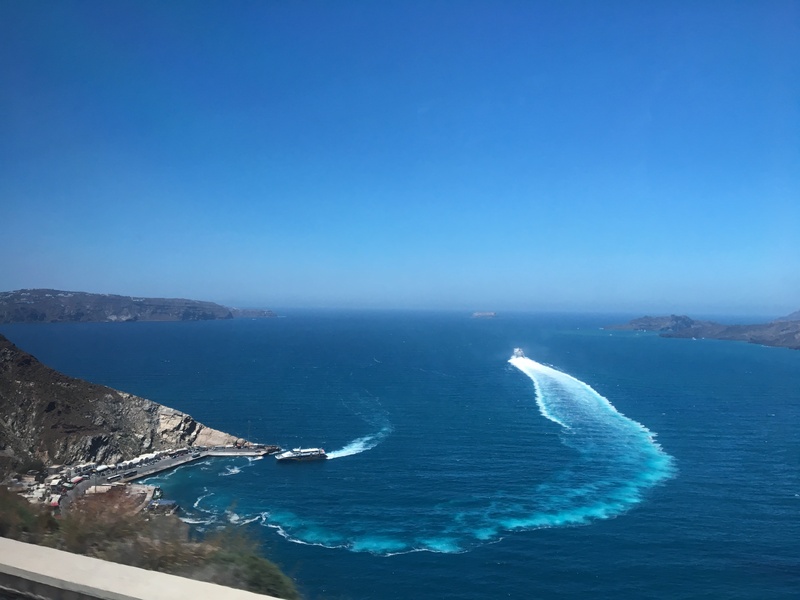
301	454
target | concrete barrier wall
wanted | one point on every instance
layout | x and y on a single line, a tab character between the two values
30	571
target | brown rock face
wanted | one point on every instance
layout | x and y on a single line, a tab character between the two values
59	419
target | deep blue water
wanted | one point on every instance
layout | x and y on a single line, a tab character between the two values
615	465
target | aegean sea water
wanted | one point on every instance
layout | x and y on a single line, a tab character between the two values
603	465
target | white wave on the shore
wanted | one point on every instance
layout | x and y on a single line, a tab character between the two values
203	496
362	444
237	519
192	521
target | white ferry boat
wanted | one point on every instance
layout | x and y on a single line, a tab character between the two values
518	353
299	454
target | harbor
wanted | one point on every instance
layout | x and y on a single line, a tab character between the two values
68	482
168	461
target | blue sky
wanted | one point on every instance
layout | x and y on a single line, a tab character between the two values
577	156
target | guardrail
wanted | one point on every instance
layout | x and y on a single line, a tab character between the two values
30	571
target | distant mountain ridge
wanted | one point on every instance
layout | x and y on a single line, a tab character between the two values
783	332
58	306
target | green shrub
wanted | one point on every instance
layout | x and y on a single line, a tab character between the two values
235	561
21	520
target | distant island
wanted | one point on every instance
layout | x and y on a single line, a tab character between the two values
783	332
484	315
58	306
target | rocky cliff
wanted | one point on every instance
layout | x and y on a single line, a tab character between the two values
55	306
59	419
784	332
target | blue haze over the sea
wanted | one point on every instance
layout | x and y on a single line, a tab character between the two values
645	467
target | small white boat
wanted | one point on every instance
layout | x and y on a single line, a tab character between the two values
518	353
299	454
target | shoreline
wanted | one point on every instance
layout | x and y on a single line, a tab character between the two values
174	463
62	487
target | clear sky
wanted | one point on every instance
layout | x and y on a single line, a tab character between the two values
597	155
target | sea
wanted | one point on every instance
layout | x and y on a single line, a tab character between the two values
602	464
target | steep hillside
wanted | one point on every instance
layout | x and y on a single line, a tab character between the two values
59	419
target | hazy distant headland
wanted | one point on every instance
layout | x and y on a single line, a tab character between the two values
57	306
783	332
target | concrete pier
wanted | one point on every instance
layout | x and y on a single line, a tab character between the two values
165	464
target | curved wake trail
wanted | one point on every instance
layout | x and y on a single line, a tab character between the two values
620	455
362	444
615	461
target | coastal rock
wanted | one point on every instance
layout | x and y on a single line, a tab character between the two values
59	419
664	324
57	306
784	333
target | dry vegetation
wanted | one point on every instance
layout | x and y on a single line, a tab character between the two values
106	526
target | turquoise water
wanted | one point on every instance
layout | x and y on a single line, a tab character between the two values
605	465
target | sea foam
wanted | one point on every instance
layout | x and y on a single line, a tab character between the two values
617	461
362	444
613	461
621	453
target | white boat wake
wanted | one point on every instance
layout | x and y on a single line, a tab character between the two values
362	444
612	464
618	460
